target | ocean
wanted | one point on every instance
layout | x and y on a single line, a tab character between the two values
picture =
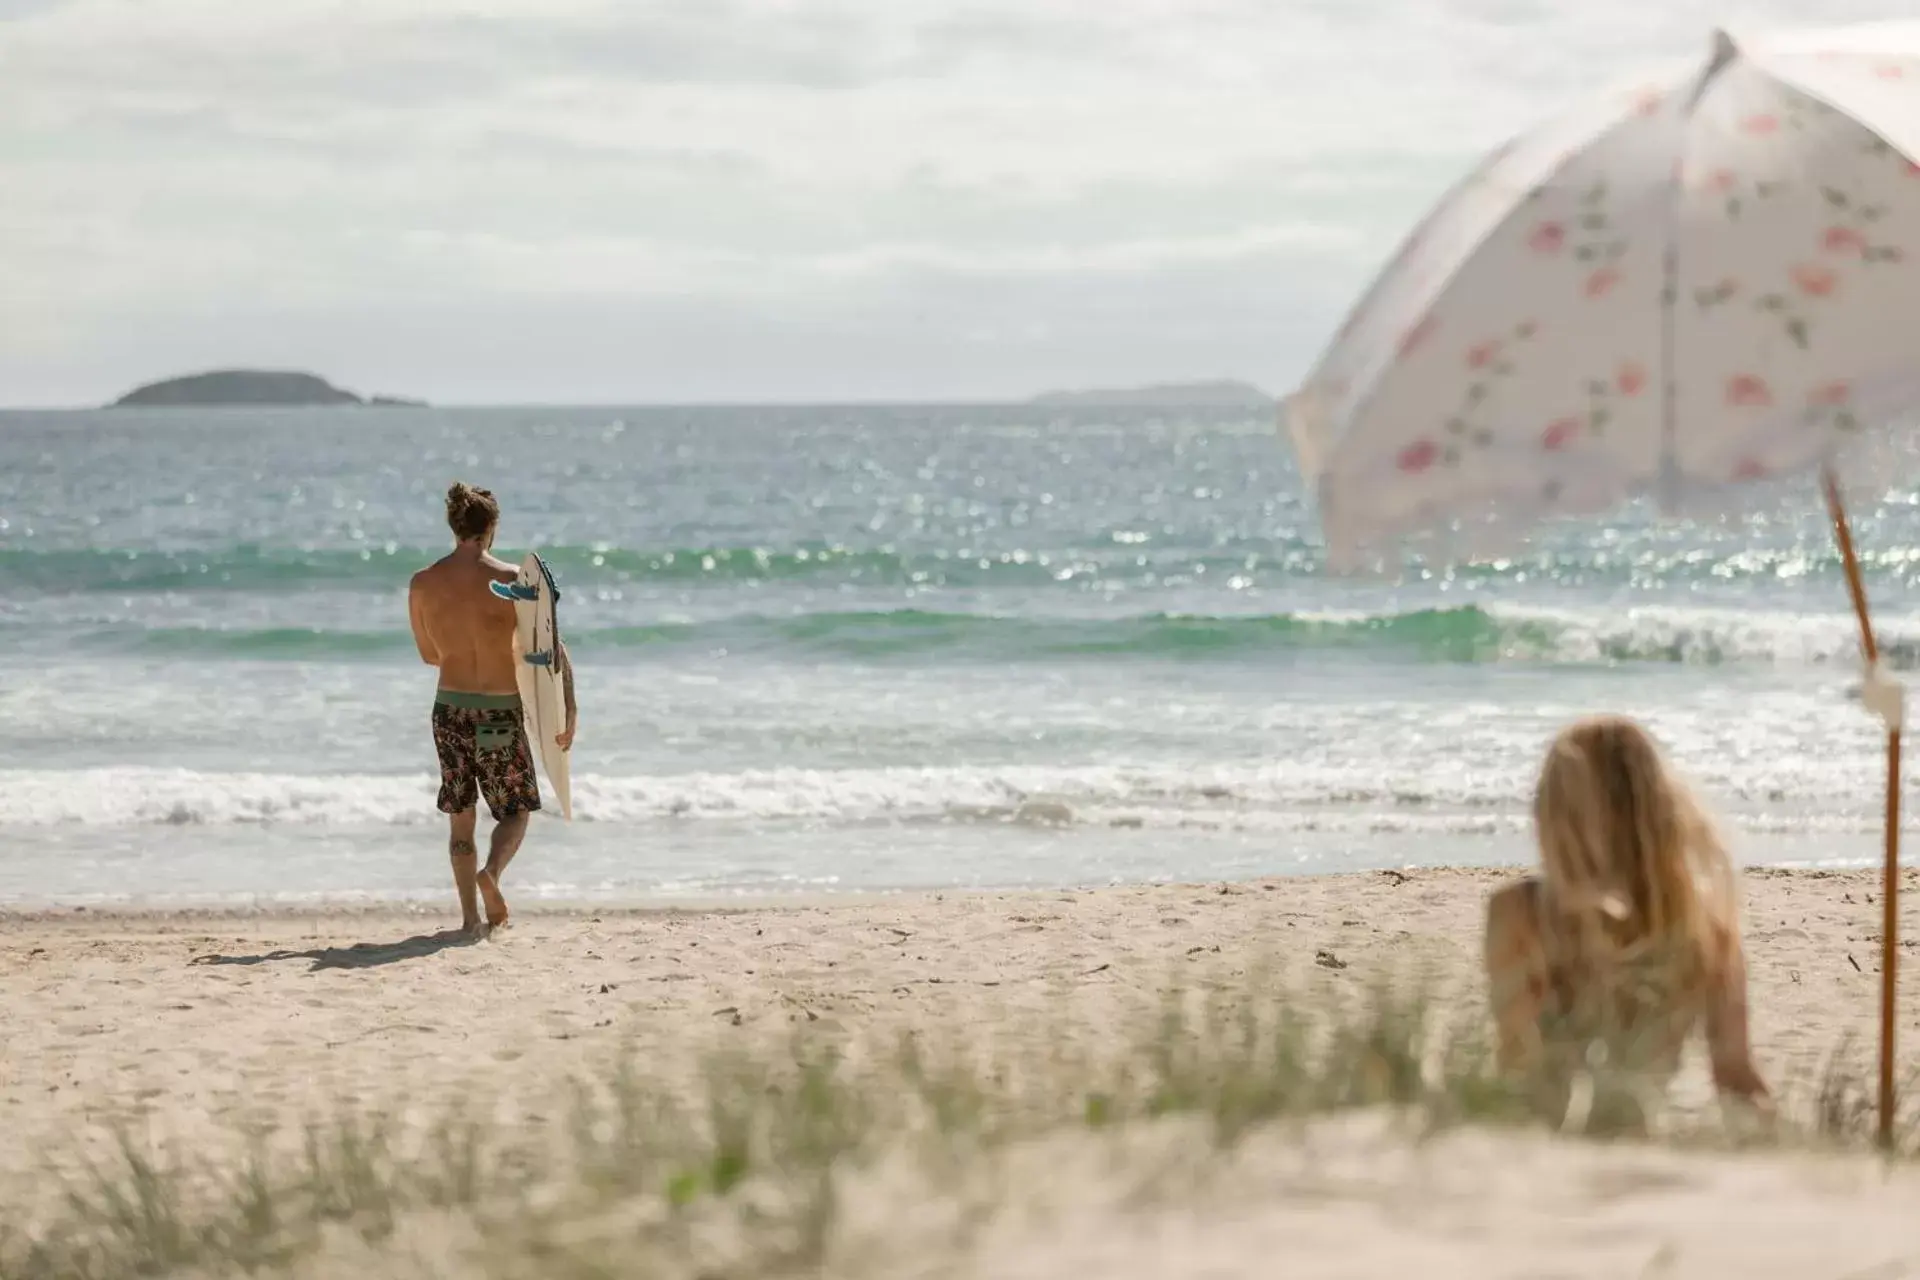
865	649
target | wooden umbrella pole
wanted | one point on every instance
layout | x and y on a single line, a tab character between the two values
1890	890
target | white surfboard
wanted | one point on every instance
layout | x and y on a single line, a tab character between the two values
542	695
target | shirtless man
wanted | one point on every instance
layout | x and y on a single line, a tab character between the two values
467	632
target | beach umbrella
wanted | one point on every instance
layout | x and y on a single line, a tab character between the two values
1698	282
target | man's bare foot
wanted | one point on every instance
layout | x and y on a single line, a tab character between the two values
474	928
495	900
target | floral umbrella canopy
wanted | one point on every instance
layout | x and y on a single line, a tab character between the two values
1684	286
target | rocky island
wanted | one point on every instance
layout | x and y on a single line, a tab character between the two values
1224	394
249	387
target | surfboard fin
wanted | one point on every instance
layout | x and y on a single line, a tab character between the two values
513	591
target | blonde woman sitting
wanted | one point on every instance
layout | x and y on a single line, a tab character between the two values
1601	966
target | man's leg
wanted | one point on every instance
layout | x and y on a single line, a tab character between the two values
507	781
459	792
464	856
507	834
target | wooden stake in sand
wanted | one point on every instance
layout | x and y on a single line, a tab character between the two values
1889	896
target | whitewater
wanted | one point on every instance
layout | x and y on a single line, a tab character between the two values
870	649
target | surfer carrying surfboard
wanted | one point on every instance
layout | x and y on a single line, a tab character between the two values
479	733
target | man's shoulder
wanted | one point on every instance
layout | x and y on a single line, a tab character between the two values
499	570
430	573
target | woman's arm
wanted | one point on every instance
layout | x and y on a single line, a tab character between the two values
1516	974
1729	1043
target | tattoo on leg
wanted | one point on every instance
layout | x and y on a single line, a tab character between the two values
464	849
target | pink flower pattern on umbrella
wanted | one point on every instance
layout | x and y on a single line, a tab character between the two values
1600	282
1559	434
1761	124
1548	237
1842	239
1482	354
1749	391
1830	395
1631	379
1419	456
1815	281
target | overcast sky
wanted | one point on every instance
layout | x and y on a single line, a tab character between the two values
620	200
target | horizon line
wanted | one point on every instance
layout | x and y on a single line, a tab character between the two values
1035	401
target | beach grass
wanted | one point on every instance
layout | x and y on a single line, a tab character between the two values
763	1158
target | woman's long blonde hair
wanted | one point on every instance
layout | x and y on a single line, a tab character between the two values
1633	865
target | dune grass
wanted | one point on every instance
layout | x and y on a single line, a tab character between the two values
750	1172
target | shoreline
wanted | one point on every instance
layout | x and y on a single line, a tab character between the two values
691	905
705	905
427	905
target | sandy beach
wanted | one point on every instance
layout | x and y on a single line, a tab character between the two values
194	1028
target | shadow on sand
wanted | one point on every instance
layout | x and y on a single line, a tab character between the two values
362	955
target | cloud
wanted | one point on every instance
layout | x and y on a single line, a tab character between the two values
359	185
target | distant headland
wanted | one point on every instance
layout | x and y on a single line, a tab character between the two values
250	387
1223	393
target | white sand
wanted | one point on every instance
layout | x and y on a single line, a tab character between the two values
191	1026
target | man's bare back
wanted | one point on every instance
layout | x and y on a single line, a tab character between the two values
462	627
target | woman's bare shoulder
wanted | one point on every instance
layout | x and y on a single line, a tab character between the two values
1513	920
1516	898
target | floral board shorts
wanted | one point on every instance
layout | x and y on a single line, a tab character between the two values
483	749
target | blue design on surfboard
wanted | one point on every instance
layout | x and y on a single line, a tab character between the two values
514	591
